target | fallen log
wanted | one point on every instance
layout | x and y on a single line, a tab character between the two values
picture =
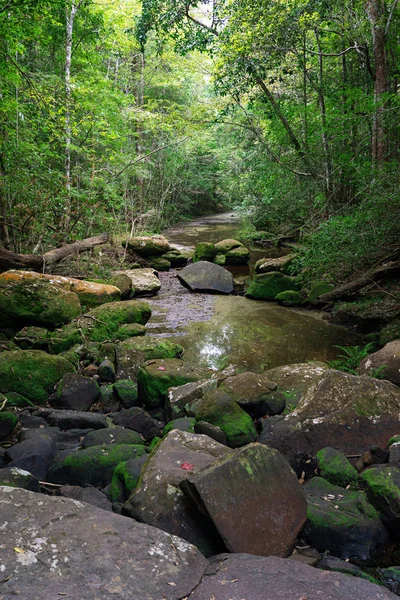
11	260
349	290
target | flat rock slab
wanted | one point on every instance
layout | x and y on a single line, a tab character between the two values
57	547
205	277
246	577
254	500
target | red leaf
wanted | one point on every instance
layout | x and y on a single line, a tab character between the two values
186	466
160	368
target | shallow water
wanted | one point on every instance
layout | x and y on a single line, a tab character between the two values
219	330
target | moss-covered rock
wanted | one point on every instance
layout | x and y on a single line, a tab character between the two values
227	245
8	422
112	435
125	478
238	256
157	376
159	263
267	265
63	339
124	284
318	289
126	392
33	338
130	330
219	409
35	301
95	465
153	347
183	424
177	258
341	521
32	373
144	281
289	298
155	245
267	286
17	400
335	468
103	322
220	260
383	488
204	251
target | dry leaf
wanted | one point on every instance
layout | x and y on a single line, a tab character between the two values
171	583
19	550
161	368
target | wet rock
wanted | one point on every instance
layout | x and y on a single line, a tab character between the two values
219	409
158	499
63	440
89	553
27	299
206	277
255	393
90	495
107	371
32	373
126	392
344	411
181	400
335	468
144	281
342	521
8	422
93	465
266	286
383	489
138	420
19	478
111	435
267	265
75	392
34	455
243	576
391	578
70	419
157	376
149	245
254	500
125	478
293	380
386	361
214	432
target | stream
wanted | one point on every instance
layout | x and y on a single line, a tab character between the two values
219	330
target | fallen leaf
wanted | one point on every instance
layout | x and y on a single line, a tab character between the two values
19	550
187	466
160	368
171	583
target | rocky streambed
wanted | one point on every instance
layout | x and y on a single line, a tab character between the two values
186	445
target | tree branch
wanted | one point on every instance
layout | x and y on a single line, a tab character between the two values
356	47
390	17
199	23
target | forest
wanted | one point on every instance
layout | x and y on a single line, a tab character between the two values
128	116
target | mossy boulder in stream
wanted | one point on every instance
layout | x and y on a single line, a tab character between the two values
130	330
157	376
289	298
32	373
267	286
335	468
218	408
36	301
235	252
204	251
94	465
153	347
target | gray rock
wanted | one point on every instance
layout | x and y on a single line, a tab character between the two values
295	379
90	495
144	281
247	577
181	400
138	420
107	371
34	455
70	419
206	277
75	392
68	547
386	361
254	500
158	499
214	432
16	477
111	435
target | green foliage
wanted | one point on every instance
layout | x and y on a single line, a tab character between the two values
351	358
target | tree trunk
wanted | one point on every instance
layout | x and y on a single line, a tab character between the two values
10	260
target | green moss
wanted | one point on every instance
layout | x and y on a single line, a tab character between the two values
17	400
130	330
33	338
266	286
36	301
159	263
126	391
318	289
61	340
155	442
8	420
220	260
381	486
237	256
204	251
289	298
394	439
154	347
335	467
123	483
32	373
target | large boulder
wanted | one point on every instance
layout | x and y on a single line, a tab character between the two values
144	281
156	376
243	576
25	301
154	245
233	251
342	521
386	361
75	392
206	277
255	393
335	468
218	408
266	286
159	501
56	546
32	373
153	347
344	411
254	500
94	465
103	322
293	380
139	421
